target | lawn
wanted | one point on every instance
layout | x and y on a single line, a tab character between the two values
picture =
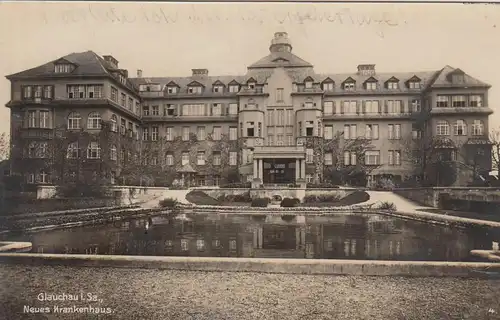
356	197
201	198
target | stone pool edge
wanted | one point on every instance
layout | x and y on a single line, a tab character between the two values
259	265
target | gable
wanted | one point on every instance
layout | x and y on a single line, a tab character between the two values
251	80
371	79
414	79
172	84
218	83
328	80
349	80
281	59
195	84
233	83
309	79
392	79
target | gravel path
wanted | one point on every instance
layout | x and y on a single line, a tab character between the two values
156	294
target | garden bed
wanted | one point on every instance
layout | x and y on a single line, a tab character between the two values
353	198
199	197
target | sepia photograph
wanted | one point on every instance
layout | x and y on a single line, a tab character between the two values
239	160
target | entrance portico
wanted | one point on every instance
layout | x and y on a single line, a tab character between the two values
276	164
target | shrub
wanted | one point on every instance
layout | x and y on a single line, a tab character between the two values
244	197
387	206
168	203
322	198
289	202
287	217
385	184
238	185
260	202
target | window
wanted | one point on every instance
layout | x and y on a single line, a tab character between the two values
477	128
234	88
73	151
218	89
308	84
200	133
350	132
31	119
74	119
94	150
394	158
47	92
414	84
371	86
200	158
76	92
114	123
391	85
458	101
193	110
328	159
328	86
309	155
27	92
44	119
233	109
328	133
62	68
371	131
216	158
394	106
250	129
309	178
415	105
185	158
114	94
145	110
169	159
217	133
184	245
371	107
200	243
233	133
38	92
308	105
349	86
185	133
43	149
416	134
233	158
350	158
171	90
113	155
280	113
195	90
216	180
154	133
155	110
328	108
309	128
94	121
350	107
394	131
170	134
475	101
442	101
44	177
137	108
372	157
460	128
442	128
217	109
279	95
123	126
145	134
130	104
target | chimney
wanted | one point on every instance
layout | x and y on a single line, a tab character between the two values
200	72
111	60
366	69
139	73
124	72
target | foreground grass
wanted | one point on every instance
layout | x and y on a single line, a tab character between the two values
160	294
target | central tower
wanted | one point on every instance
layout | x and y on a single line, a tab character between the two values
280	43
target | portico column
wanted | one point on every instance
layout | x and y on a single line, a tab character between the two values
261	172
303	168
297	169
255	168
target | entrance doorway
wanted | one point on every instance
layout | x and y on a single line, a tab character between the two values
279	171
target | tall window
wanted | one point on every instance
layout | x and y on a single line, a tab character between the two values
114	123
394	158
415	105
169	159
200	158
394	106
216	109
47	92
233	158
328	133
328	108
328	159
478	128
44	119
145	110
170	134
130	104
31	119
350	132
371	131
185	133
216	158
155	110
216	135
113	154
250	129
442	128
371	107
394	131
74	120
114	94
309	155
233	133
350	107
233	109
460	128
279	95
123	100
201	133
154	133
350	158
145	134
185	158
73	150
94	121
94	150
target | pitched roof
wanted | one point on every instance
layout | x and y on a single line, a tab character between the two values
183	82
442	79
280	59
186	169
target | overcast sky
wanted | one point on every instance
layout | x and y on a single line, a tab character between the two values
168	39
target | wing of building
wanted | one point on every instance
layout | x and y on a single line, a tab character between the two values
82	117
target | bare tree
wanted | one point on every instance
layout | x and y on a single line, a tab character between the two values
4	146
495	149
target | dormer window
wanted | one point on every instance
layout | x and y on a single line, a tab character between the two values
171	90
391	85
63	68
414	84
371	86
349	86
251	85
234	88
328	86
218	89
457	78
308	84
194	90
122	79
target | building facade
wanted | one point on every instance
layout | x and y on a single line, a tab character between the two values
280	123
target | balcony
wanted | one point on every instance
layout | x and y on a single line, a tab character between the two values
164	118
279	152
378	116
461	110
37	133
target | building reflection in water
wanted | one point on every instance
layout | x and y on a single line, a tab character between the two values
335	237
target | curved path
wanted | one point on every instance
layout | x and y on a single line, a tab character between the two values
179	195
401	203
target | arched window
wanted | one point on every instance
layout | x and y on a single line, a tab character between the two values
73	150
114	123
94	121
113	155
460	128
93	150
443	128
74	120
478	128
